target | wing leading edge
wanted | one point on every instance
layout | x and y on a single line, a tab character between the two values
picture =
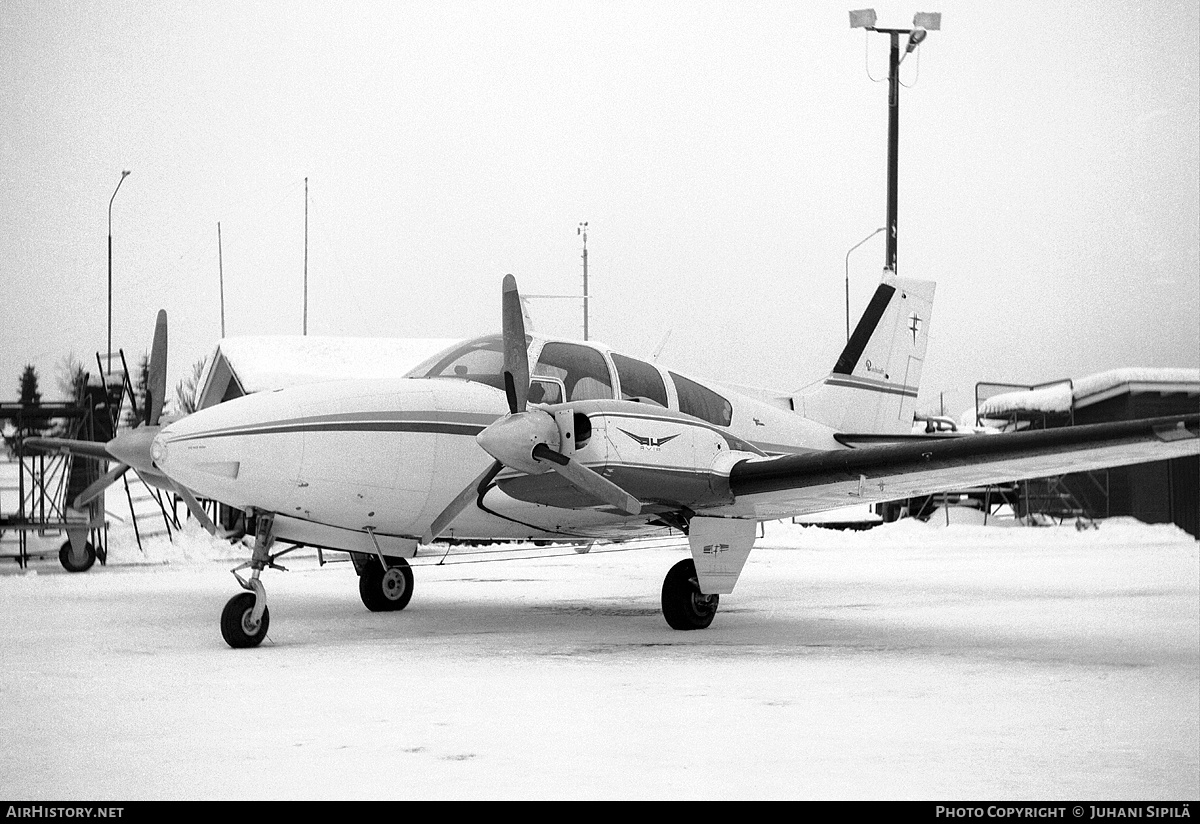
813	482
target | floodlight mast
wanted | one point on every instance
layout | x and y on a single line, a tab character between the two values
923	23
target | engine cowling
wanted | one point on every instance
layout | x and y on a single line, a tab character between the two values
659	456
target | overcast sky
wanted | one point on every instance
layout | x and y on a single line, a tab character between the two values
725	156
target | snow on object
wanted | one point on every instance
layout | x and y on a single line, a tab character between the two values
1050	399
275	362
1060	398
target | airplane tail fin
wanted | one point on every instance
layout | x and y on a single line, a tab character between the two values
873	386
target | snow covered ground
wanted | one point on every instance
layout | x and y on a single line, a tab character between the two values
907	661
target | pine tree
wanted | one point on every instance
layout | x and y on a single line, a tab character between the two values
30	423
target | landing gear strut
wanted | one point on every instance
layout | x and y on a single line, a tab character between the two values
245	619
683	604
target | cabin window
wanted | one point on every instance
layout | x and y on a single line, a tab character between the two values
640	381
702	402
480	360
582	370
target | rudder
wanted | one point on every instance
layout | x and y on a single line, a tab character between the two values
873	386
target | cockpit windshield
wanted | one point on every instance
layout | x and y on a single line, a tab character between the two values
480	360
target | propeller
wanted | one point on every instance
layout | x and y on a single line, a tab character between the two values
526	439
130	449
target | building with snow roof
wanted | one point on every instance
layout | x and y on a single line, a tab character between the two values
1165	491
243	365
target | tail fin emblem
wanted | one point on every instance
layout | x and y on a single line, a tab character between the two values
914	325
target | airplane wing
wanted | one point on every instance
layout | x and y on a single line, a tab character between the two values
813	482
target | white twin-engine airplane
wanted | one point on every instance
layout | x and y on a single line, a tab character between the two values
516	437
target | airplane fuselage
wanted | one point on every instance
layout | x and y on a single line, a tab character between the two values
350	464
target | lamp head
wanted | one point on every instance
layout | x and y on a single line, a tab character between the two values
862	19
914	39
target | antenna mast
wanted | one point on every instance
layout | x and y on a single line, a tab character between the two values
306	256
582	230
221	272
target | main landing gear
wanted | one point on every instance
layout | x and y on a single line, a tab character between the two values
683	604
245	619
384	584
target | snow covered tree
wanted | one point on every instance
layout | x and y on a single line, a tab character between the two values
70	378
186	391
31	423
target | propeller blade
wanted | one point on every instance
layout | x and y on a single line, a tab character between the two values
156	380
97	487
516	353
589	481
89	449
197	511
460	502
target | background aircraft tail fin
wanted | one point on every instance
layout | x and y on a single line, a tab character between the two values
873	386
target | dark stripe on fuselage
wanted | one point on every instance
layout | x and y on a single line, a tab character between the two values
349	426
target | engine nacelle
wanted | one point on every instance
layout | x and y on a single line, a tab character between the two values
657	455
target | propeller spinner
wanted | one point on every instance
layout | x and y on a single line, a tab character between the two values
527	440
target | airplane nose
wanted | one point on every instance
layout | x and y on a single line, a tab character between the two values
134	448
158	449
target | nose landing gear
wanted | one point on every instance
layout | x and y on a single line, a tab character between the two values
245	619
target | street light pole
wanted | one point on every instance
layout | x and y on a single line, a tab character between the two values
110	203
923	23
852	248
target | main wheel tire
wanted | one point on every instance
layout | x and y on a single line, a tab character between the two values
236	628
65	557
683	605
386	590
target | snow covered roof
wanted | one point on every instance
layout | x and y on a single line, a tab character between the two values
1062	397
260	363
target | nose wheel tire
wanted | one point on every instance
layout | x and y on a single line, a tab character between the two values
683	604
237	627
386	590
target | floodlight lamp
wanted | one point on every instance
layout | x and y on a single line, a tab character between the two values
862	19
914	39
928	20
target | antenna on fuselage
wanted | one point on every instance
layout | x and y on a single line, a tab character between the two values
661	344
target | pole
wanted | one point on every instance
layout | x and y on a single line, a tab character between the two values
110	203
306	256
221	272
852	248
583	231
889	262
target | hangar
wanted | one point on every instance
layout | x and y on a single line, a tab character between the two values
1161	492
